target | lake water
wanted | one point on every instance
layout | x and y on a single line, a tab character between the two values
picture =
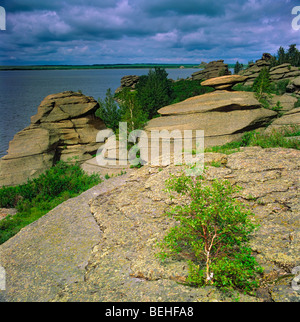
21	92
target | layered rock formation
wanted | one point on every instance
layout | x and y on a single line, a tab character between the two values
277	73
212	70
289	120
64	128
128	81
224	82
294	87
223	116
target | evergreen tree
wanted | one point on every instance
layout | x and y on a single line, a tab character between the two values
281	56
154	91
238	67
131	111
109	111
262	83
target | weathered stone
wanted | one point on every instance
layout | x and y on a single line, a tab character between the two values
222	115
224	81
286	101
129	81
64	106
212	102
65	128
291	119
118	262
212	70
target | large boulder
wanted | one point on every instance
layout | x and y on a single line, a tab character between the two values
223	116
224	82
212	70
290	120
64	128
129	81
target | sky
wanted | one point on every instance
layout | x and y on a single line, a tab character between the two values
144	31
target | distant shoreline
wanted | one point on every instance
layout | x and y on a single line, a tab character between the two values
99	66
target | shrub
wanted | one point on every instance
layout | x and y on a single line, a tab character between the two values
262	84
184	89
109	111
213	233
265	140
39	196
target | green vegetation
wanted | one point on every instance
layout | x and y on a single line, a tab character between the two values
109	111
38	196
262	84
184	89
212	233
265	140
291	56
238	67
153	92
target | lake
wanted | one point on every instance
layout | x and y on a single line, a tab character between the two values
21	92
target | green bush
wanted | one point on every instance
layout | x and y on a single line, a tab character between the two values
38	196
109	111
213	233
184	89
258	138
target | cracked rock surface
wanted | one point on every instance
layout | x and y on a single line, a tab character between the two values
120	261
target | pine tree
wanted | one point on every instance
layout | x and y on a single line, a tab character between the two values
238	67
262	84
109	111
154	91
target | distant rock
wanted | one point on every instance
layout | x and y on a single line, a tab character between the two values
282	72
212	70
224	82
64	128
129	81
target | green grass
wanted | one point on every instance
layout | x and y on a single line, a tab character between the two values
38	196
256	138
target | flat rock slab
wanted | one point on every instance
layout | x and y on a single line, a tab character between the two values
64	257
215	101
224	80
52	251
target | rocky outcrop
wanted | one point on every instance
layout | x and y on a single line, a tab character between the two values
290	120
223	116
294	87
212	70
284	72
129	81
64	128
277	73
65	257
224	82
254	69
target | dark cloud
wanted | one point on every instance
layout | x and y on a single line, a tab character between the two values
108	31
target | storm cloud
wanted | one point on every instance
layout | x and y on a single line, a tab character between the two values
140	31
